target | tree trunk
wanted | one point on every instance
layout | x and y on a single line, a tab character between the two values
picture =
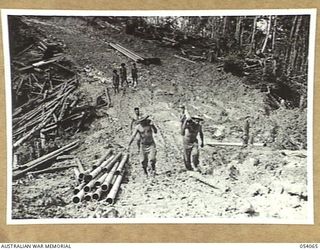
293	54
293	26
288	51
241	35
252	47
274	33
267	35
238	28
225	21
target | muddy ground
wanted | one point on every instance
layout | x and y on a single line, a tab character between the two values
253	182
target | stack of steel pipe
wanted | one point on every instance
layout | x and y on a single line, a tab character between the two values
102	180
135	57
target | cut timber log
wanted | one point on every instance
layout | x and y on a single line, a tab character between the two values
197	57
63	67
185	59
42	139
35	163
43	45
24	50
232	144
80	166
65	157
50	170
41	63
204	180
169	40
36	128
15	162
38	119
76	173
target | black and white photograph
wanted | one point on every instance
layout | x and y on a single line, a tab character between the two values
159	116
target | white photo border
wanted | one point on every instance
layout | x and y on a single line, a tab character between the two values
311	67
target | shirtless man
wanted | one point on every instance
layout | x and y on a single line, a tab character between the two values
190	129
134	123
148	151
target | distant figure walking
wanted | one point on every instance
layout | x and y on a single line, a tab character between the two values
134	74
123	75
148	151
191	127
115	81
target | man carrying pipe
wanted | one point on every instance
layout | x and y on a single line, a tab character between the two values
148	151
191	127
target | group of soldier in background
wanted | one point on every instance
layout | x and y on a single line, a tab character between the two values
121	80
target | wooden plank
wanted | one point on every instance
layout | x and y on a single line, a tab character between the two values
62	67
35	163
41	63
36	128
185	59
204	180
24	50
231	144
51	170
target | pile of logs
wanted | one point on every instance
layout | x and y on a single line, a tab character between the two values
134	56
43	114
36	68
45	103
102	180
40	165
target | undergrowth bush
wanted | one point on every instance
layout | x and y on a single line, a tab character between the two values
291	129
